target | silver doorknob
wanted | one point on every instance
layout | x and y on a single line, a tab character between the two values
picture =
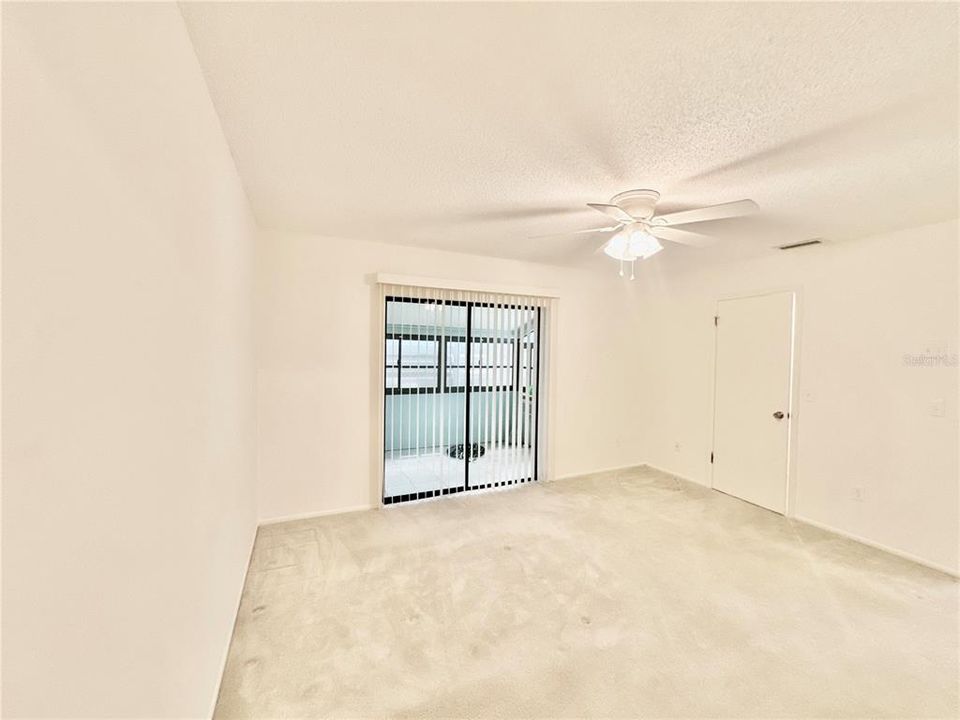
778	415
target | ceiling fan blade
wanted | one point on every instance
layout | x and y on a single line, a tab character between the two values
576	232
575	250
712	212
614	211
586	250
599	248
684	237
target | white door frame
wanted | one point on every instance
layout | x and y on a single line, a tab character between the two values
793	405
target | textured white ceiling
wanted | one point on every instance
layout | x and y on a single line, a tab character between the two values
472	127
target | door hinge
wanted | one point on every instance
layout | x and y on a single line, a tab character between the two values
716	318
711	458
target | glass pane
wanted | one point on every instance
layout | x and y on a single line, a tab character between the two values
456	363
482	353
505	354
454	318
393	350
418	377
479	377
416	353
456	353
455	376
412	318
424	449
391	378
393	315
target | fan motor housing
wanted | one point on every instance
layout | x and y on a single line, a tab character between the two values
639	203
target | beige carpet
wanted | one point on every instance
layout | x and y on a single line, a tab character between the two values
624	594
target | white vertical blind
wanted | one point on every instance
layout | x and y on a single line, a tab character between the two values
461	396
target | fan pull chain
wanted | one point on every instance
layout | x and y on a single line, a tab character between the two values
632	276
621	267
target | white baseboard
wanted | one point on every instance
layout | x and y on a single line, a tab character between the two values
360	508
320	513
570	476
675	475
879	546
953	572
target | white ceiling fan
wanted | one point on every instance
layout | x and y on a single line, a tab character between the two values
639	230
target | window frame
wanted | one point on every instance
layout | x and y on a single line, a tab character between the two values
441	386
423	389
511	366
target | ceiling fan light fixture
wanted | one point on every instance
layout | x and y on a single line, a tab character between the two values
619	247
632	243
640	229
643	245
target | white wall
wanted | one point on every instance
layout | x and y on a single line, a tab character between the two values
128	401
129	496
635	374
866	423
318	329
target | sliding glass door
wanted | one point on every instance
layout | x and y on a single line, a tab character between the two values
461	391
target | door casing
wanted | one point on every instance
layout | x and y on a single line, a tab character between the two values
793	409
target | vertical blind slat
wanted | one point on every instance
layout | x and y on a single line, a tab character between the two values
529	386
491	381
511	348
498	465
526	396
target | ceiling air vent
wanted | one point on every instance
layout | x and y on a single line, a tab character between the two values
804	243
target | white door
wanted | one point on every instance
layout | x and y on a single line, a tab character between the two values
752	406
